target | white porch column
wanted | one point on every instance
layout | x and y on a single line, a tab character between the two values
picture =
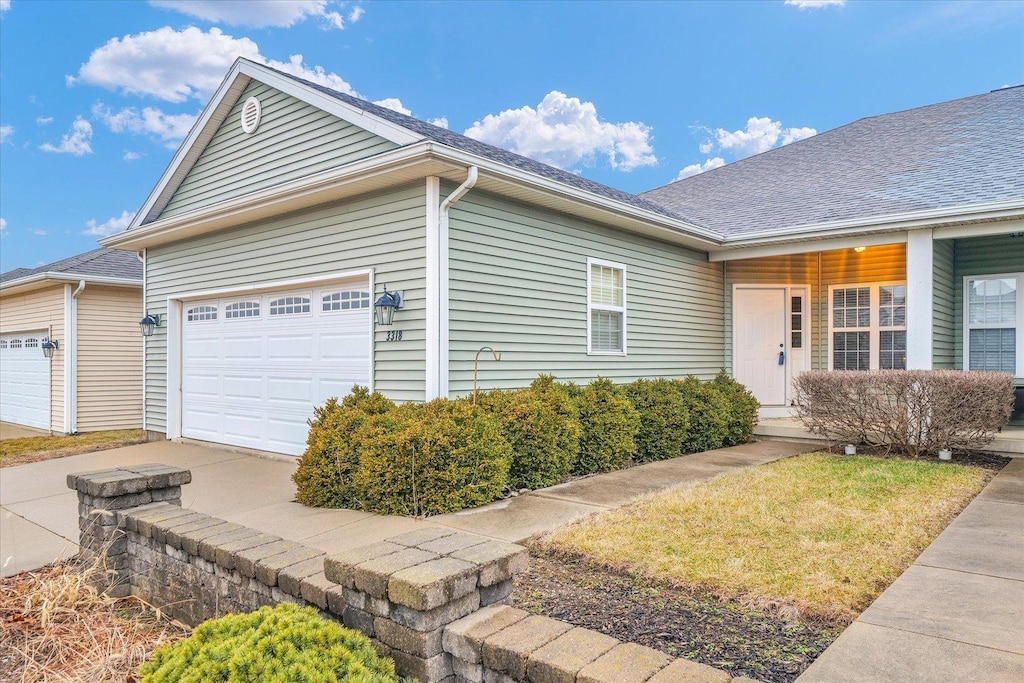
919	299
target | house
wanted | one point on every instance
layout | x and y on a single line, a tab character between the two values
70	348
290	209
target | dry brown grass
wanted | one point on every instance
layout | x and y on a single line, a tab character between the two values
54	626
816	535
36	448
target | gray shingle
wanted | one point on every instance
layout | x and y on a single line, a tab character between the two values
100	262
962	152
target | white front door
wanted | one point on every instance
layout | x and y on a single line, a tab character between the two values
24	380
254	367
759	338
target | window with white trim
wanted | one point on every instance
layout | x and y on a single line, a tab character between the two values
201	313
290	305
993	310
242	309
606	307
31	343
3	343
15	343
348	300
868	327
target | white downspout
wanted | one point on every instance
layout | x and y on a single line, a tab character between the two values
73	352
471	177
145	305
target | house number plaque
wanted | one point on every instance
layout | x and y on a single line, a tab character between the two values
393	335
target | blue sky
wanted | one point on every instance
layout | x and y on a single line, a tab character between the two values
95	96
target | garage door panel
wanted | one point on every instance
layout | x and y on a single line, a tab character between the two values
24	380
255	381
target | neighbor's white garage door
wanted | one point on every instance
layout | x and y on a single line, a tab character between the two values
254	367
24	380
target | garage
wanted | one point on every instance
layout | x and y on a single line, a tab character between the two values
25	388
254	366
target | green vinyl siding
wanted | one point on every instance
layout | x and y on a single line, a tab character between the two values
294	139
318	242
981	256
942	305
818	271
518	283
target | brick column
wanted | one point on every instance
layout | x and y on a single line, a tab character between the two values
102	497
404	591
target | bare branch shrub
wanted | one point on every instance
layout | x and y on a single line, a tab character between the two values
908	411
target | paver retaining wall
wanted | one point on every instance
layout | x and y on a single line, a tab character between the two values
434	600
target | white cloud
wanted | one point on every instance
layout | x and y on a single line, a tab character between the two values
440	121
75	141
110	227
169	128
694	169
261	13
3	225
44	120
5	133
131	156
395	104
5	5
179	65
815	4
356	14
760	135
40	233
564	131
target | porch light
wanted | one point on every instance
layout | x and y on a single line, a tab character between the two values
49	346
387	304
859	249
149	323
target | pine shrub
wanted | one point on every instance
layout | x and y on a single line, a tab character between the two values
541	424
663	418
610	424
283	644
742	409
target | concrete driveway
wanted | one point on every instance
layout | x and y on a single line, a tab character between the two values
39	514
9	430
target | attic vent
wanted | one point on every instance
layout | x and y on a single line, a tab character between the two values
251	111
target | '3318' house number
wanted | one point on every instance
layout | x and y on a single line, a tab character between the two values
393	335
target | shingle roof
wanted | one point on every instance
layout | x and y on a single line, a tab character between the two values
957	153
100	262
467	144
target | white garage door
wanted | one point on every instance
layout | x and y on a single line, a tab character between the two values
254	367
24	380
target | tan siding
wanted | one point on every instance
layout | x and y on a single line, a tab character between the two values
942	305
109	358
294	139
886	263
40	310
384	231
518	282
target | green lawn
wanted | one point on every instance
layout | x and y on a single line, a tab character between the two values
820	534
36	448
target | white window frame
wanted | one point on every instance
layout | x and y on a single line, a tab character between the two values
272	298
260	307
874	330
328	303
202	304
1018	326
591	306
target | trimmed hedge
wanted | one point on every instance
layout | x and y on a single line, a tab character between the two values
663	419
610	424
541	424
282	644
742	416
709	414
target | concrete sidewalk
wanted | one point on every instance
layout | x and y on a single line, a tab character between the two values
39	515
957	614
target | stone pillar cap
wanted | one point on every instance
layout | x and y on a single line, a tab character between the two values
120	481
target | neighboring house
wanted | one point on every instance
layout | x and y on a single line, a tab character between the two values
290	207
89	306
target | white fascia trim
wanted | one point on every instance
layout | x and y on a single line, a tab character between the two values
69	362
910	220
780	249
40	278
299	189
236	80
433	287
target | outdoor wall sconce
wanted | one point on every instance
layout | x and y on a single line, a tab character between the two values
49	346
387	304
149	323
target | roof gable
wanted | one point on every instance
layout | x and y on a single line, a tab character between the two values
101	263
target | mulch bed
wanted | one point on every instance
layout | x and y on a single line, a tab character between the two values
982	459
679	623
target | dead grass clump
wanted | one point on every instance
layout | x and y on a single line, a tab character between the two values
37	448
54	626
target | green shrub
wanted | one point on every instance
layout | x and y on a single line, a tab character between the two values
663	419
742	409
324	476
541	424
610	424
430	458
708	413
284	644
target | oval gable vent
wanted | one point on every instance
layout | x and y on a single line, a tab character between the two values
251	111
